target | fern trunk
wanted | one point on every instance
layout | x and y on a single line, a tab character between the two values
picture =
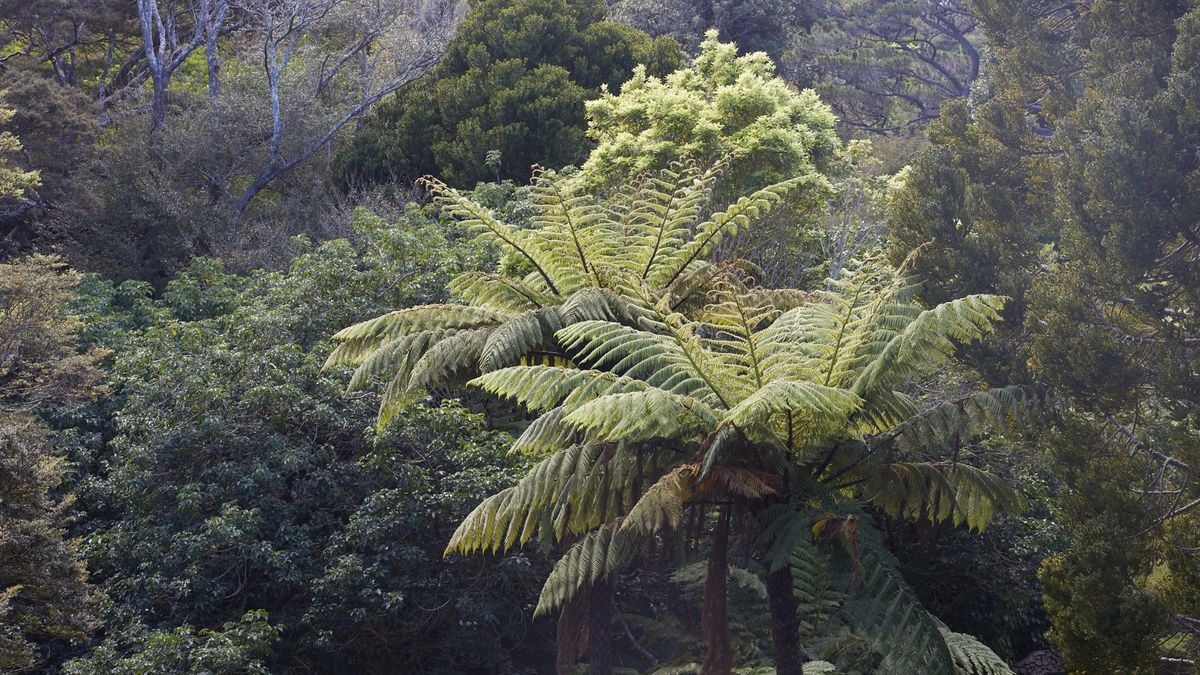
571	632
600	611
785	622
714	621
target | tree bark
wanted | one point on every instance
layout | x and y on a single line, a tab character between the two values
600	611
571	632
714	620
785	622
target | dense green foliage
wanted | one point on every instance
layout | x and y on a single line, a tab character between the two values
728	108
508	95
703	382
1079	206
45	601
235	476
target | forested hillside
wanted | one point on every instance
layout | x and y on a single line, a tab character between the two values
570	336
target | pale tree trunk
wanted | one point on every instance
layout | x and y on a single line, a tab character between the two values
283	25
164	53
212	33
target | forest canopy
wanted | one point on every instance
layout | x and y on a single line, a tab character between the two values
582	336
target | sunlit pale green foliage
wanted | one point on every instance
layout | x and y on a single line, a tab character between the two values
621	259
722	105
14	182
744	402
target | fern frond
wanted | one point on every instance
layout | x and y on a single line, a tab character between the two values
545	387
814	408
519	335
924	491
885	611
641	415
591	559
930	341
661	506
566	227
453	358
719	225
513	516
885	410
361	339
737	322
998	408
396	358
481	220
498	292
675	363
663	213
972	657
546	434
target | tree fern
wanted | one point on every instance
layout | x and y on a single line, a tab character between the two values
748	385
592	261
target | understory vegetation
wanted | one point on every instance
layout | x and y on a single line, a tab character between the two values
572	336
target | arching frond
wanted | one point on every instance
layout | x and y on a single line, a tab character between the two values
513	516
929	341
519	335
719	225
479	219
884	410
737	321
972	657
959	493
545	387
663	212
886	611
815	409
566	226
661	506
590	560
546	434
498	292
998	408
396	357
641	415
363	338
675	363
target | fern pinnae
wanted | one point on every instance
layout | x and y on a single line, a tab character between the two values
359	340
476	215
725	222
519	335
593	558
396	357
497	291
972	657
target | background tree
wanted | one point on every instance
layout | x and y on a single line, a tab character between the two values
383	47
513	81
887	67
45	600
1071	172
769	26
229	474
732	107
